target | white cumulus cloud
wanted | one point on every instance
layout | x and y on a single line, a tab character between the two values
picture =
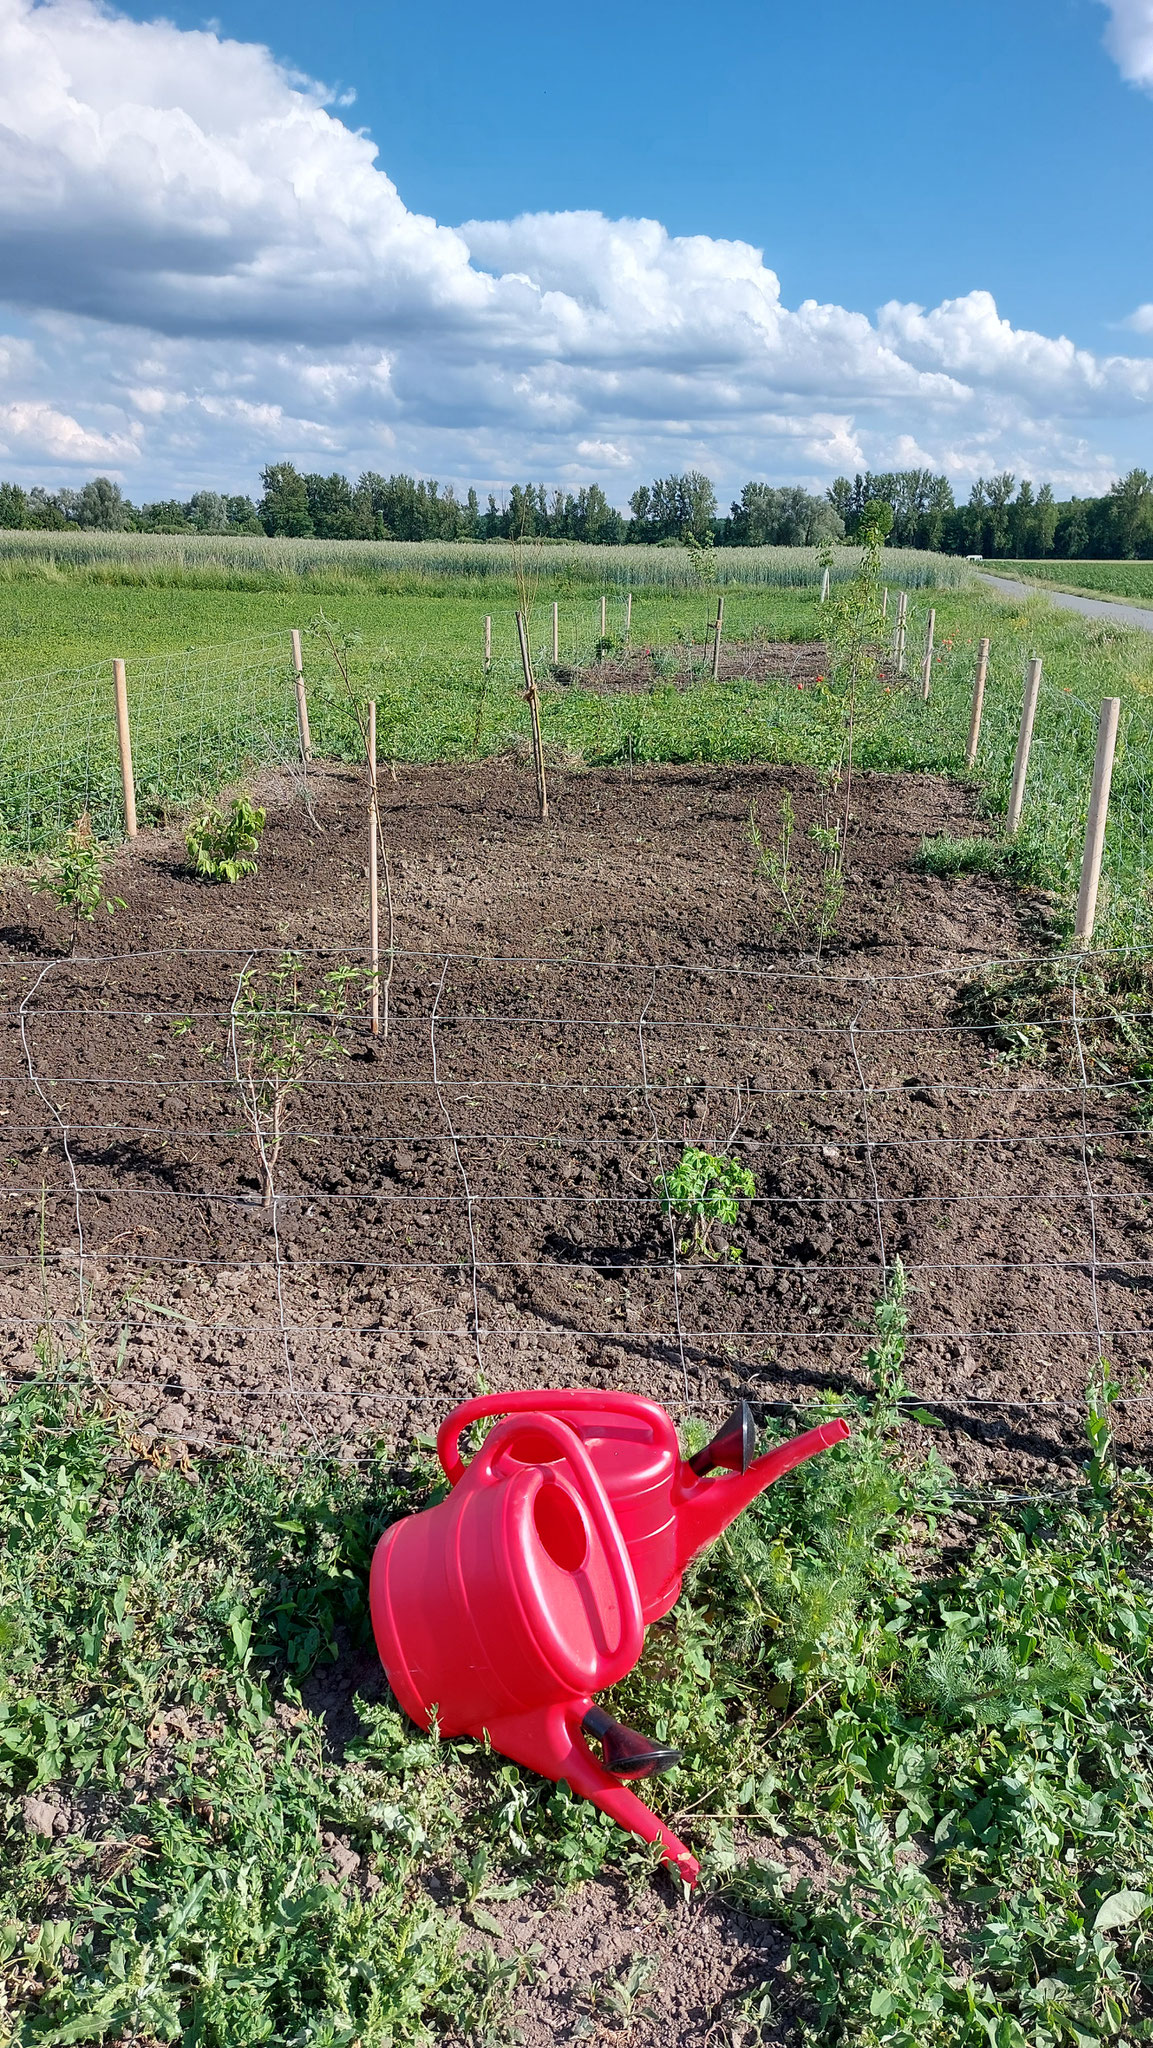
214	272
1129	39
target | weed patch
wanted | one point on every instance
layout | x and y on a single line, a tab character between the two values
1095	1014
957	1716
1000	859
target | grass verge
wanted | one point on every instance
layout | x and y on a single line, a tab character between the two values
1127	581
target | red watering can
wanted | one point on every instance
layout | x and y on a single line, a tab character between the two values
667	1507
502	1610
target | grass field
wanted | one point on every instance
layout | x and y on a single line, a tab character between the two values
206	713
1125	580
348	568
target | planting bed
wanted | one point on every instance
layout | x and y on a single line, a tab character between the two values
470	1202
757	660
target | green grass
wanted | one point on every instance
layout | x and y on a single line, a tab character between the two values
1133	580
204	715
967	1738
1001	860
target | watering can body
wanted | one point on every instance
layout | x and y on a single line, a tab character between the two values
502	1610
668	1508
499	1612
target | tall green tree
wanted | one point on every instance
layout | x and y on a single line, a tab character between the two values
284	507
13	505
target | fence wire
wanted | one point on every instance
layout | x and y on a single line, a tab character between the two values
475	1250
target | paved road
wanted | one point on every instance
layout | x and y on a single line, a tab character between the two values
1092	607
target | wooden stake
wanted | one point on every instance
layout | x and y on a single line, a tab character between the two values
978	703
927	661
487	644
124	741
555	631
534	712
1024	742
604	616
717	639
373	890
301	699
1098	814
899	634
628	618
885	602
825	588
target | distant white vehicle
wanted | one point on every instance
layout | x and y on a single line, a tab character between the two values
974	558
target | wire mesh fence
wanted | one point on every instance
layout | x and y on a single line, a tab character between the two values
477	1202
199	718
208	716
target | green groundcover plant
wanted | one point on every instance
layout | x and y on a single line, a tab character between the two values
948	1697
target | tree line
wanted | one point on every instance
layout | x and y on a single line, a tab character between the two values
1001	516
914	508
303	506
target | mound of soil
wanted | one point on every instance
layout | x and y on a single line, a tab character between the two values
472	1197
641	669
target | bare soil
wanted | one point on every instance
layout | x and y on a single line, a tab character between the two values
473	1195
594	993
640	669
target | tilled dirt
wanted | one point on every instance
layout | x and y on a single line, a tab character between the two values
473	1195
638	669
469	1201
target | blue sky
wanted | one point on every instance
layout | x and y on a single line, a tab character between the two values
902	233
895	150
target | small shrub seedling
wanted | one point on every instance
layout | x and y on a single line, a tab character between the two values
223	848
811	916
276	1033
76	877
703	1189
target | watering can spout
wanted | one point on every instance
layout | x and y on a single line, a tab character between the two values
552	1741
707	1504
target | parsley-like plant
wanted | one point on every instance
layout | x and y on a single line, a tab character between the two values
701	1190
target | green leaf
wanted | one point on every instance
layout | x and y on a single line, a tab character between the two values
926	1420
1120	1909
488	1922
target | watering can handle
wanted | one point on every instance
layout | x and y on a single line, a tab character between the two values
568	1443
545	1400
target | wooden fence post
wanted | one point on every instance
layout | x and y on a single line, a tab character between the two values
604	615
124	741
825	587
927	661
978	703
555	631
373	889
628	618
885	602
530	692
487	644
1098	814
717	629
301	699
1024	742
899	632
